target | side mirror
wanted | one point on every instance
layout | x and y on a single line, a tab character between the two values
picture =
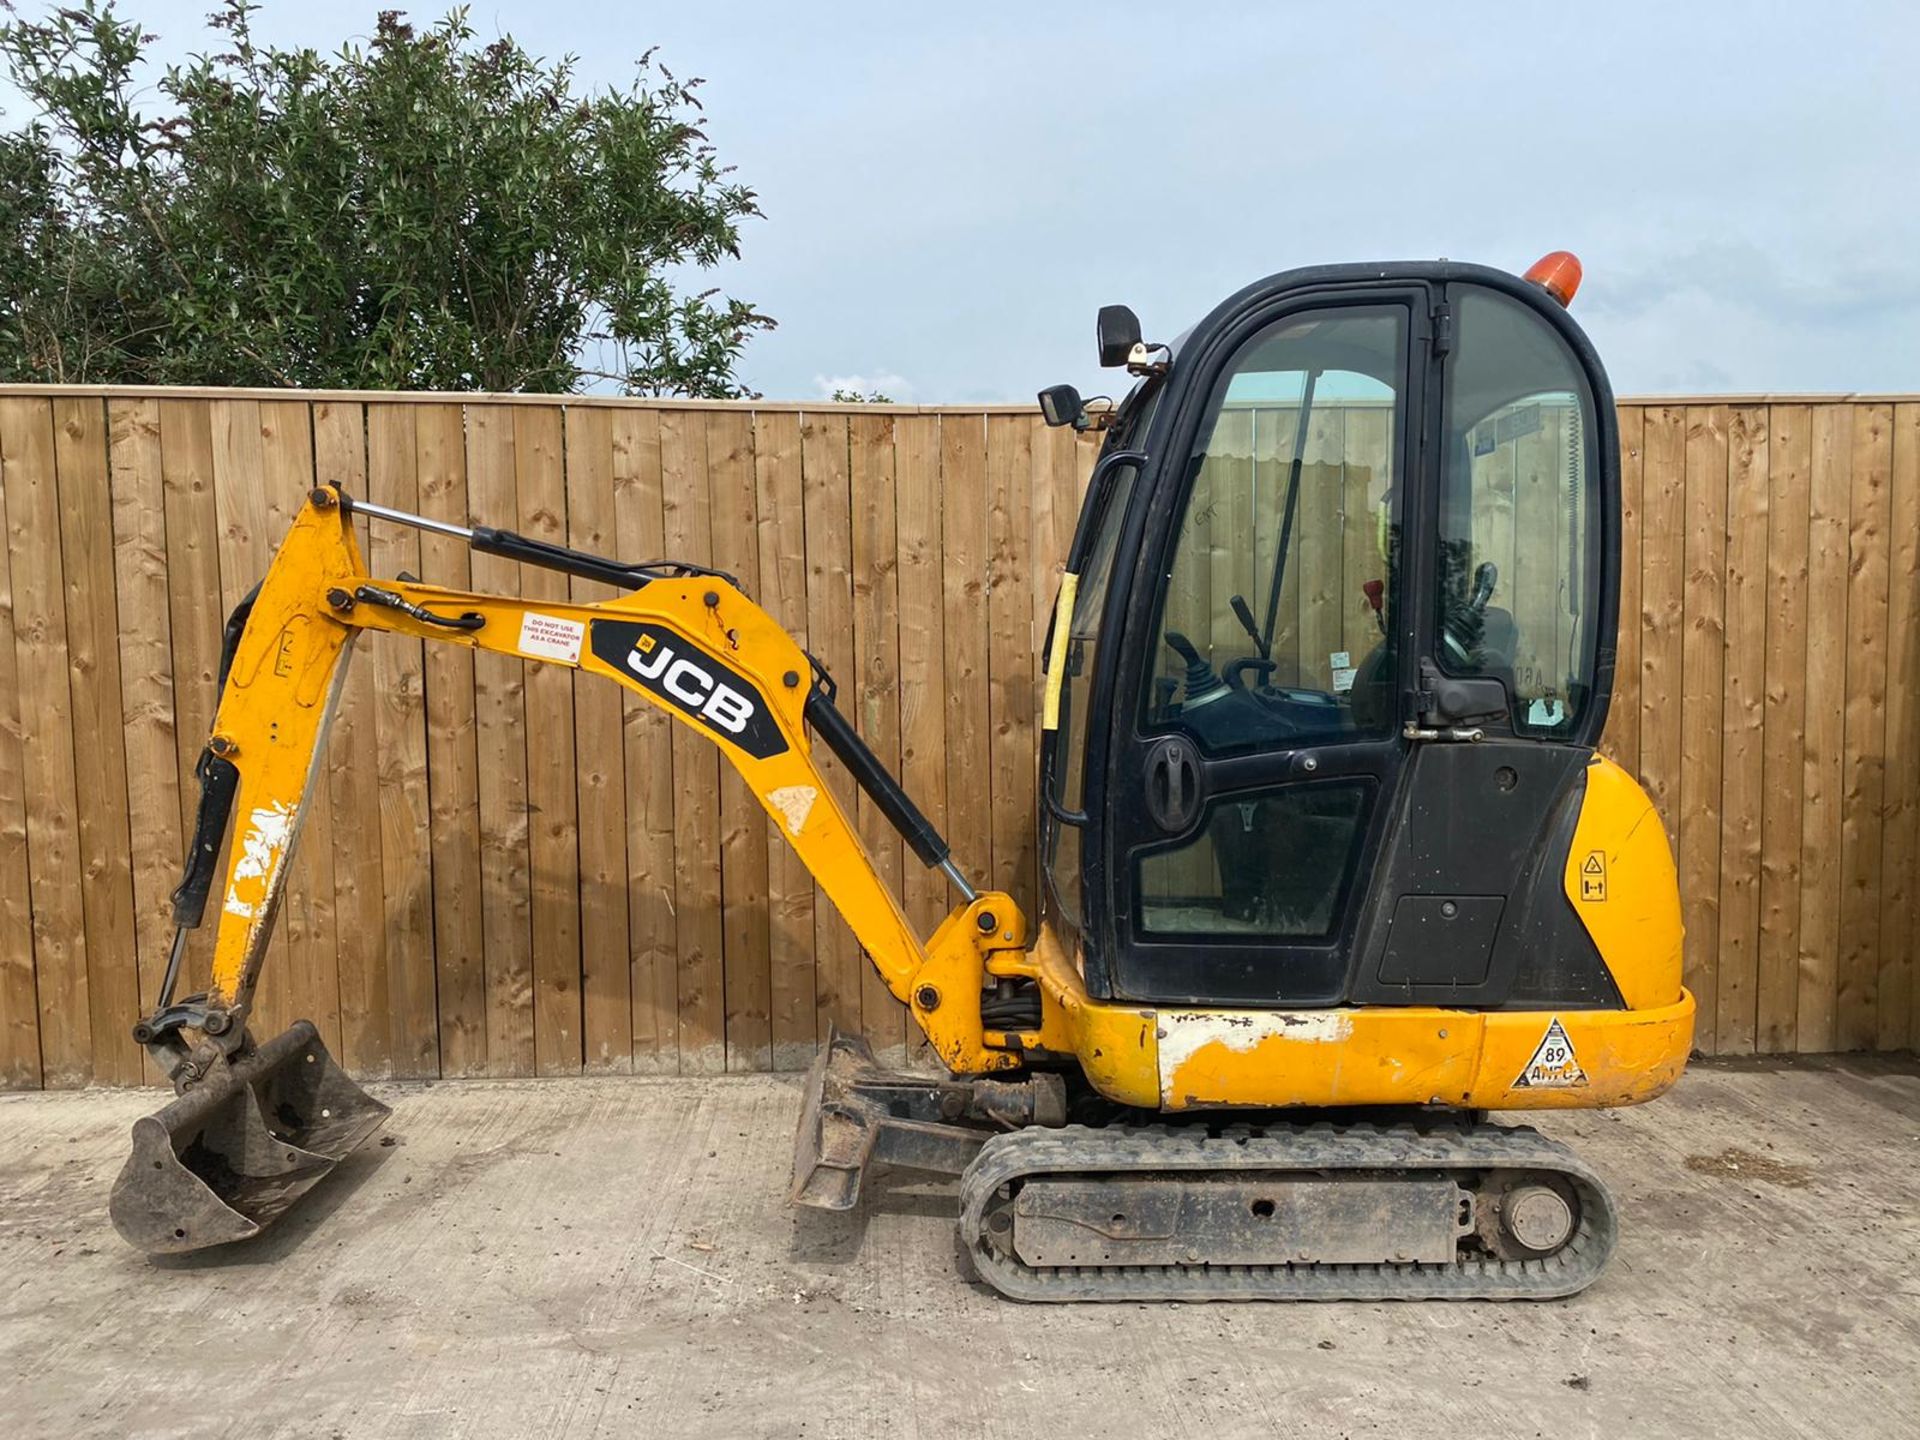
1118	330
1062	405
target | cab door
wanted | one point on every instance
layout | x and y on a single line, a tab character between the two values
1256	736
1470	905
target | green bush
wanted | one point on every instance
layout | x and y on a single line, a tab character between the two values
421	213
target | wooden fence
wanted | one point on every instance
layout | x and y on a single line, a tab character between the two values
513	872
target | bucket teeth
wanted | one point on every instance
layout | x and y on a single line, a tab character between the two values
234	1153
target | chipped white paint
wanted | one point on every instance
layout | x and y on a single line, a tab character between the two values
795	803
1184	1033
268	830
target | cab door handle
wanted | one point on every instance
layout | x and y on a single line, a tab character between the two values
1173	784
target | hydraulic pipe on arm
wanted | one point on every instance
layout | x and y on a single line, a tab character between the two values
683	637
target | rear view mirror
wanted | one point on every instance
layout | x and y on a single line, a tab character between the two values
1062	405
1118	330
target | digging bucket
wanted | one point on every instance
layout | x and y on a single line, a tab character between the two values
234	1153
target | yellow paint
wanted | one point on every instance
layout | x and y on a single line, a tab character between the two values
1423	1055
1630	901
1180	1058
1057	652
274	714
1115	1044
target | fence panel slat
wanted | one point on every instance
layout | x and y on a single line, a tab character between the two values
146	685
195	617
923	666
1897	1017
1663	536
1743	729
1783	761
400	721
1317	548
781	541
698	933
1703	647
874	698
1050	531
1864	768
19	999
99	740
1012	724
652	946
606	993
540	478
1821	817
826	485
46	709
735	517
367	1022
500	746
453	757
963	571
1622	739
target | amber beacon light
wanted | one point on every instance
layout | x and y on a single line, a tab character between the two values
1558	274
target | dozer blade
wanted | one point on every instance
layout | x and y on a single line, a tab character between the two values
234	1153
855	1114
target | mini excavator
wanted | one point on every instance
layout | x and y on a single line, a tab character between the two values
1332	869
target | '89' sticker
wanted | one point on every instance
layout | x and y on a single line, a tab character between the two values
1554	1065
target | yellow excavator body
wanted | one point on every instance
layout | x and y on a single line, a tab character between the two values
1337	1042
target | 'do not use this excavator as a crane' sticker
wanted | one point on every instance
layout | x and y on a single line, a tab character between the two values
1332	869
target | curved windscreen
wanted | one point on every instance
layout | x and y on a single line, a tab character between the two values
1519	570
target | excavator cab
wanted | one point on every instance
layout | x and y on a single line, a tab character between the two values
1339	653
1333	869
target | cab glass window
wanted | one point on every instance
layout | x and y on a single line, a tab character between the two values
1067	780
1276	863
1519	562
1279	593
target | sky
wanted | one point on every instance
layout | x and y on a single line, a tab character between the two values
950	192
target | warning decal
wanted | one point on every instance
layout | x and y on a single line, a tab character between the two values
551	637
1340	662
1553	1066
1593	876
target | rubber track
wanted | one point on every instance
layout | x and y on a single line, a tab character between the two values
1322	1147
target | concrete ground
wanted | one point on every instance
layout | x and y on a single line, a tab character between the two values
613	1257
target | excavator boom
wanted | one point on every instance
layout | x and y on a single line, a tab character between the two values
244	1141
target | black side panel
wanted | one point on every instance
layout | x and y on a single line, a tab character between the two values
1441	939
1551	956
1479	822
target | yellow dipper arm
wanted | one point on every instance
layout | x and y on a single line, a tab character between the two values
691	644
